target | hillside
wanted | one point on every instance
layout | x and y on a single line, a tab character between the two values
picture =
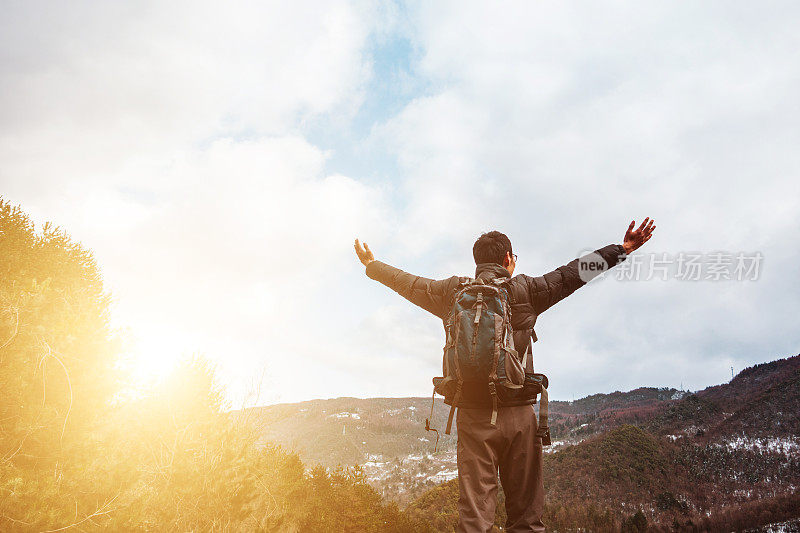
349	430
721	454
625	476
726	458
760	402
385	436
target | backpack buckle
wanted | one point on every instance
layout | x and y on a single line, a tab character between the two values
544	434
493	392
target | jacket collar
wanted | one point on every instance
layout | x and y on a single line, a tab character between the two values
491	271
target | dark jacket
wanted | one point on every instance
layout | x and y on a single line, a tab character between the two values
530	296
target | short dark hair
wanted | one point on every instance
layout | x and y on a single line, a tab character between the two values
491	247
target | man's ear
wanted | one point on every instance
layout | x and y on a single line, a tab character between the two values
507	259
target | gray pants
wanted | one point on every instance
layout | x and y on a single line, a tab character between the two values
511	447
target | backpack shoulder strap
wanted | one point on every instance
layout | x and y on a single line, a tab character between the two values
506	284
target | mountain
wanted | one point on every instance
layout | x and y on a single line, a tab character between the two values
386	437
762	401
350	431
627	476
727	456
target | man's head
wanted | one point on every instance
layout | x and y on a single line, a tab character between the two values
494	247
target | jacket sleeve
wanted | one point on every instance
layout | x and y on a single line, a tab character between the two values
431	295
546	291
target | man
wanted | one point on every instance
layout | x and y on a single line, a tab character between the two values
511	445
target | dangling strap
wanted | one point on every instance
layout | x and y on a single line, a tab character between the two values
450	420
544	429
456	399
428	422
493	392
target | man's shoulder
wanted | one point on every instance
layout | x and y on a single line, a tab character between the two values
520	279
531	283
455	281
524	286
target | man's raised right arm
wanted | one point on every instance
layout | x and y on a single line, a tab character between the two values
431	295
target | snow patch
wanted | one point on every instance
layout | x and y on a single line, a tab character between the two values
557	445
444	475
346	414
788	446
782	527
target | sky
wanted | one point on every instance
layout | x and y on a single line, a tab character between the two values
220	159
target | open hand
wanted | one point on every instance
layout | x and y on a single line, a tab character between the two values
364	253
634	238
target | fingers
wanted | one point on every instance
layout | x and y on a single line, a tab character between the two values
643	224
630	228
366	247
359	249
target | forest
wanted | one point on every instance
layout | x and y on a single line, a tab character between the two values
80	452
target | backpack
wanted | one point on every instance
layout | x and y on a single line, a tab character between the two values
479	350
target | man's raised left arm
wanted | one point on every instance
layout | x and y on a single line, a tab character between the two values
549	289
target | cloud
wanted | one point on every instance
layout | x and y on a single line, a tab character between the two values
169	139
559	124
220	160
106	93
241	262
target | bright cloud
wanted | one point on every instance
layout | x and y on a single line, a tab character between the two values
558	124
220	162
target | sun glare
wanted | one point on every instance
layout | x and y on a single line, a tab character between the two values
151	359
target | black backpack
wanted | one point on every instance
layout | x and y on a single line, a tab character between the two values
479	349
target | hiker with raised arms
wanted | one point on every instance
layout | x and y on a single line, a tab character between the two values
488	367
